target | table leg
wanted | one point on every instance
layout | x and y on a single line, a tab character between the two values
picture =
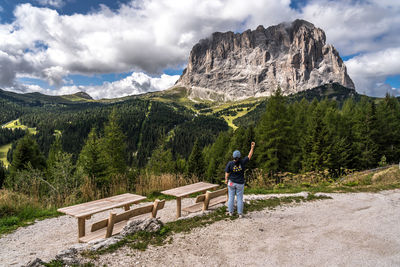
126	207
178	207
81	227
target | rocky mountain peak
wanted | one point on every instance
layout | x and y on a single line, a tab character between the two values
293	56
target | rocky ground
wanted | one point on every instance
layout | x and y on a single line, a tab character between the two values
349	230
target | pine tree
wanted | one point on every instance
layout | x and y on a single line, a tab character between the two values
60	173
366	134
315	154
161	161
89	159
55	149
216	157
113	146
196	163
273	150
388	112
27	152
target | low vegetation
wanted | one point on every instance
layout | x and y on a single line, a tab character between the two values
17	210
365	181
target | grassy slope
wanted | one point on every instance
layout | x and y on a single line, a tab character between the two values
3	154
229	119
12	125
75	98
179	96
17	124
364	181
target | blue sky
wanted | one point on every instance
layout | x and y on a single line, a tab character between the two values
123	47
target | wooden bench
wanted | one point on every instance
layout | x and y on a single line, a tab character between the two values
116	222
85	211
209	199
183	191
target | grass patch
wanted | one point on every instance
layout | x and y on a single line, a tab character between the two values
3	154
17	124
141	240
379	180
56	263
229	119
18	210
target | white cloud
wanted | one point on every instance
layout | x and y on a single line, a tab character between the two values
149	36
136	83
52	3
369	71
357	26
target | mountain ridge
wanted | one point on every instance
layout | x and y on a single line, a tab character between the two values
293	56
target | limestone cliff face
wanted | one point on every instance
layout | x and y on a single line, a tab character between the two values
231	66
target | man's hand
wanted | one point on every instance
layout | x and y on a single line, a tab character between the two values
226	177
253	144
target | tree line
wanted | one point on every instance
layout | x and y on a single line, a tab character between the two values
99	145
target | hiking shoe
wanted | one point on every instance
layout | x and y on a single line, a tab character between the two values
229	214
241	216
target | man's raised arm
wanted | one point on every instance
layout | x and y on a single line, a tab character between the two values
253	144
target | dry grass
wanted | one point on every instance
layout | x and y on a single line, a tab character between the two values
380	177
259	179
10	201
88	190
17	209
364	181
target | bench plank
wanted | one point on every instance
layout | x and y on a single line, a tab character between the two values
199	206
212	195
89	208
200	198
194	208
218	200
189	189
125	216
218	193
102	232
132	213
98	225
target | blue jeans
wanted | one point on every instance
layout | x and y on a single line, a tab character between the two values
235	189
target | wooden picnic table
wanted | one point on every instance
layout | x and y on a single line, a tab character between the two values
86	210
186	190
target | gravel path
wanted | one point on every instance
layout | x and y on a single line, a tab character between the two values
350	229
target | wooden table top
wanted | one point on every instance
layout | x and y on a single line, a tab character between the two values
189	189
92	207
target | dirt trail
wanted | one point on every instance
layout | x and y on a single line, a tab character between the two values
350	229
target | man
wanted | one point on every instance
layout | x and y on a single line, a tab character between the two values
235	172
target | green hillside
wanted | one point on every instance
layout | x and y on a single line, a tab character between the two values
329	91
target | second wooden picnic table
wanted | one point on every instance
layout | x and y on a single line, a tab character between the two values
186	190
